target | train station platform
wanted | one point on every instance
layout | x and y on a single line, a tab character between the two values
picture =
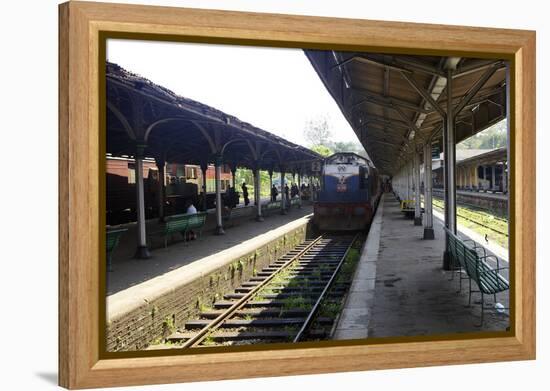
146	296
128	271
400	288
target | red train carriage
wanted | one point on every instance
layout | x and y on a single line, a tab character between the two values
182	182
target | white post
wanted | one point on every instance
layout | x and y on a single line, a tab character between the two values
417	209
283	200
142	251
450	169
299	190
257	195
160	166
504	178
428	211
204	168
493	176
219	224
270	172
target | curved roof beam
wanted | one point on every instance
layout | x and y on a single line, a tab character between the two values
122	120
207	136
203	131
241	141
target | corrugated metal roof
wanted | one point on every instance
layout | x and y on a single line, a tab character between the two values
379	96
179	129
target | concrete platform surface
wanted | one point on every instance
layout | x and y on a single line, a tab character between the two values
400	288
128	271
139	280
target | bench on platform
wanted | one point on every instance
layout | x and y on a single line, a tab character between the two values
295	202
271	207
182	223
113	237
473	259
407	207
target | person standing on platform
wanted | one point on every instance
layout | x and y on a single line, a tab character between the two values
287	198
274	193
245	194
231	197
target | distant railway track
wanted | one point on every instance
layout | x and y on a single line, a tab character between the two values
477	221
288	301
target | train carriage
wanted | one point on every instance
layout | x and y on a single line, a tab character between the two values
182	182
350	189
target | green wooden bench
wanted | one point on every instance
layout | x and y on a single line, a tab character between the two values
295	202
113	237
183	223
473	258
456	248
271	207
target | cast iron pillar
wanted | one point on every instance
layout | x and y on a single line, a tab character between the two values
204	169
161	187
428	207
257	194
417	209
233	174
219	225
299	189
450	169
142	251
283	196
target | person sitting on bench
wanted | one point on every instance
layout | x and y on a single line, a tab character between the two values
190	210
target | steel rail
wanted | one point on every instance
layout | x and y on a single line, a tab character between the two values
477	222
203	333
317	304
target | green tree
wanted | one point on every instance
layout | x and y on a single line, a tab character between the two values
495	136
322	150
348	146
317	131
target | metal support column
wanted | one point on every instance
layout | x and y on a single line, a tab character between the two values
428	184
257	194
504	178
299	189
417	209
283	197
270	172
450	168
142	251
204	168
161	187
509	177
493	176
219	224
408	186
233	175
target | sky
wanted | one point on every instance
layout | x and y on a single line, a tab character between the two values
275	89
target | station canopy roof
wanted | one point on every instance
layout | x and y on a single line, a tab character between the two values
489	156
180	130
386	98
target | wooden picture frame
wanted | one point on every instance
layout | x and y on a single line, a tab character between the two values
81	362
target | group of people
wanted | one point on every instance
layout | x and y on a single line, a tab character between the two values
231	199
294	191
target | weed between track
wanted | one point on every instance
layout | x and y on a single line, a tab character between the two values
481	221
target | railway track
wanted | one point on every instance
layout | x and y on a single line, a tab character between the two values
476	221
290	300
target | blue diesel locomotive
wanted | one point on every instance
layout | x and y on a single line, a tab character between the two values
349	193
